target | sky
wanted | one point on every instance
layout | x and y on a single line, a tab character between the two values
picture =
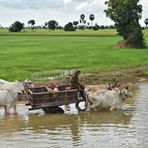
63	11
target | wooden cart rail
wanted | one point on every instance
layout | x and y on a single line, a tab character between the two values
41	97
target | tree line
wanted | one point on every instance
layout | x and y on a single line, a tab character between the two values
125	14
53	24
71	26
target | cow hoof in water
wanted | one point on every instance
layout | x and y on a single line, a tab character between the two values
53	110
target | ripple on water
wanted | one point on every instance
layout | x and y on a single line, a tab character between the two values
124	128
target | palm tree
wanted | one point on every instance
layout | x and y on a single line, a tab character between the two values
80	21
32	23
75	23
146	22
46	24
82	17
91	17
84	21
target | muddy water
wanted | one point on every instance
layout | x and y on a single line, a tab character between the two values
126	128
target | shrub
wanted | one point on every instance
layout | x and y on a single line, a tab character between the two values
69	27
16	27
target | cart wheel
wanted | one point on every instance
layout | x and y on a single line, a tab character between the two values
78	106
53	110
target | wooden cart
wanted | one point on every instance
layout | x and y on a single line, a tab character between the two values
49	101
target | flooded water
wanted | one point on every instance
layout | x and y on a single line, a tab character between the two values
126	128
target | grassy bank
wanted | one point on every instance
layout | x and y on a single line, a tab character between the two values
41	53
46	32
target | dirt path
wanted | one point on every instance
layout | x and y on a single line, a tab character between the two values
123	76
131	75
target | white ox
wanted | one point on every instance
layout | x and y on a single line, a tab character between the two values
8	99
15	86
107	99
9	94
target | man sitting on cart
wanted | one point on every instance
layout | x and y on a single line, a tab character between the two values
76	84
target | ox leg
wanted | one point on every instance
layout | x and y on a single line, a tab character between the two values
119	106
87	105
14	109
7	110
112	108
94	106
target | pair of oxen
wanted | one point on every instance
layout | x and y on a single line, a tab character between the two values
109	97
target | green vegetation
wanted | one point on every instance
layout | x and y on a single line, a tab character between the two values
46	32
146	22
126	15
32	23
16	27
42	52
69	27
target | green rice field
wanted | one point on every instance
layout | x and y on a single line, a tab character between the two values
30	54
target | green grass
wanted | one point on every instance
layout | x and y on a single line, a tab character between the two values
46	32
43	52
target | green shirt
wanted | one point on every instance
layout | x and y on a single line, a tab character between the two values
75	81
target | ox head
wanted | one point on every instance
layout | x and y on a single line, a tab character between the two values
19	88
19	85
29	83
126	93
112	85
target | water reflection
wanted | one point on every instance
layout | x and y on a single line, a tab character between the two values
120	128
67	127
39	120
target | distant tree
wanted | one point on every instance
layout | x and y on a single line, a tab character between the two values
80	21
59	27
112	27
102	27
84	22
91	17
146	22
96	27
106	27
69	27
38	27
16	27
32	23
88	23
126	15
57	24
52	24
75	23
46	24
82	17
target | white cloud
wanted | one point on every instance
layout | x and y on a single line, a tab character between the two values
83	5
31	4
92	5
61	10
67	1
